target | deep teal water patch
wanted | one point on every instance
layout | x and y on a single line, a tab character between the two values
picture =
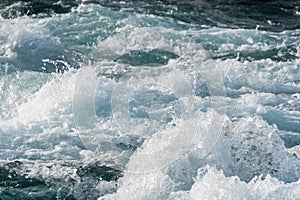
14	184
35	7
152	57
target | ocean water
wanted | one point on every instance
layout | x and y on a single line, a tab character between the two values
149	100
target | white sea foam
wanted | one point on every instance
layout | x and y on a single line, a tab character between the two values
246	159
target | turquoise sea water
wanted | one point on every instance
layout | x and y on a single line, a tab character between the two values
149	100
